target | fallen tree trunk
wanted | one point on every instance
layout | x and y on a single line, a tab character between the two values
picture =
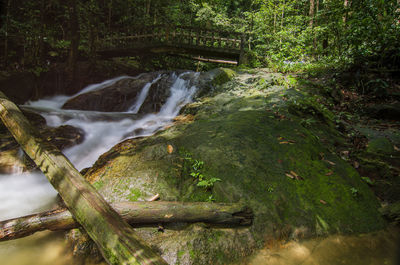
135	213
116	240
208	60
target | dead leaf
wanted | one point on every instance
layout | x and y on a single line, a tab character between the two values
396	148
329	173
356	164
284	142
290	176
330	162
292	141
293	175
170	149
322	201
154	198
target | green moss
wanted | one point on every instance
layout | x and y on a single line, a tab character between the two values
252	142
310	106
134	194
181	253
244	150
192	254
215	236
380	145
224	75
98	184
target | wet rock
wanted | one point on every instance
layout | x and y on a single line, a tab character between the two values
11	155
121	95
11	161
35	119
158	94
64	136
384	111
116	97
209	81
392	212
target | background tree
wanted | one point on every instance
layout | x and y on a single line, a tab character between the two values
35	33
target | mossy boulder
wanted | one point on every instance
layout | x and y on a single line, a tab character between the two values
222	76
380	145
259	152
209	82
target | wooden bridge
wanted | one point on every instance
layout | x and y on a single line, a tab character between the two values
206	44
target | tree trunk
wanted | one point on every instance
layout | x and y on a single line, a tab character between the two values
75	38
41	51
345	5
110	4
282	18
311	13
115	238
148	5
315	25
6	28
135	213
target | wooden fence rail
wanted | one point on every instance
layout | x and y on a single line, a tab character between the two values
176	36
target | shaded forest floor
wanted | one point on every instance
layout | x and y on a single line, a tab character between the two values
366	105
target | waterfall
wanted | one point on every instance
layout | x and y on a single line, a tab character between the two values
30	191
142	96
18	168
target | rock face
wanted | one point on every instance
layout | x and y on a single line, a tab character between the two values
116	97
384	111
255	139
12	157
121	95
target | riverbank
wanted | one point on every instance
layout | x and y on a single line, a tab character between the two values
273	141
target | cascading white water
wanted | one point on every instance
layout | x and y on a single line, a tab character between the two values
142	96
24	193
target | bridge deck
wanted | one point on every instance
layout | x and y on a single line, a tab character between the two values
175	40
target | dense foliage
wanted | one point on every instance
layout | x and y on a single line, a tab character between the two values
36	33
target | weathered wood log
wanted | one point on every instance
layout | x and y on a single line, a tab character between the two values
214	60
116	240
209	60
135	213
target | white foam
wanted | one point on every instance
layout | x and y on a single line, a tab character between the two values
21	194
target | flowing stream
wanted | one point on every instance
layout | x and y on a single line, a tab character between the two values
24	193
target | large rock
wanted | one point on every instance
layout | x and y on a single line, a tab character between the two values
384	111
116	97
12	156
243	145
121	95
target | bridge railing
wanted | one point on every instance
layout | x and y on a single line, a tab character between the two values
174	35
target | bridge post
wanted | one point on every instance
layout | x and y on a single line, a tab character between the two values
167	35
243	55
